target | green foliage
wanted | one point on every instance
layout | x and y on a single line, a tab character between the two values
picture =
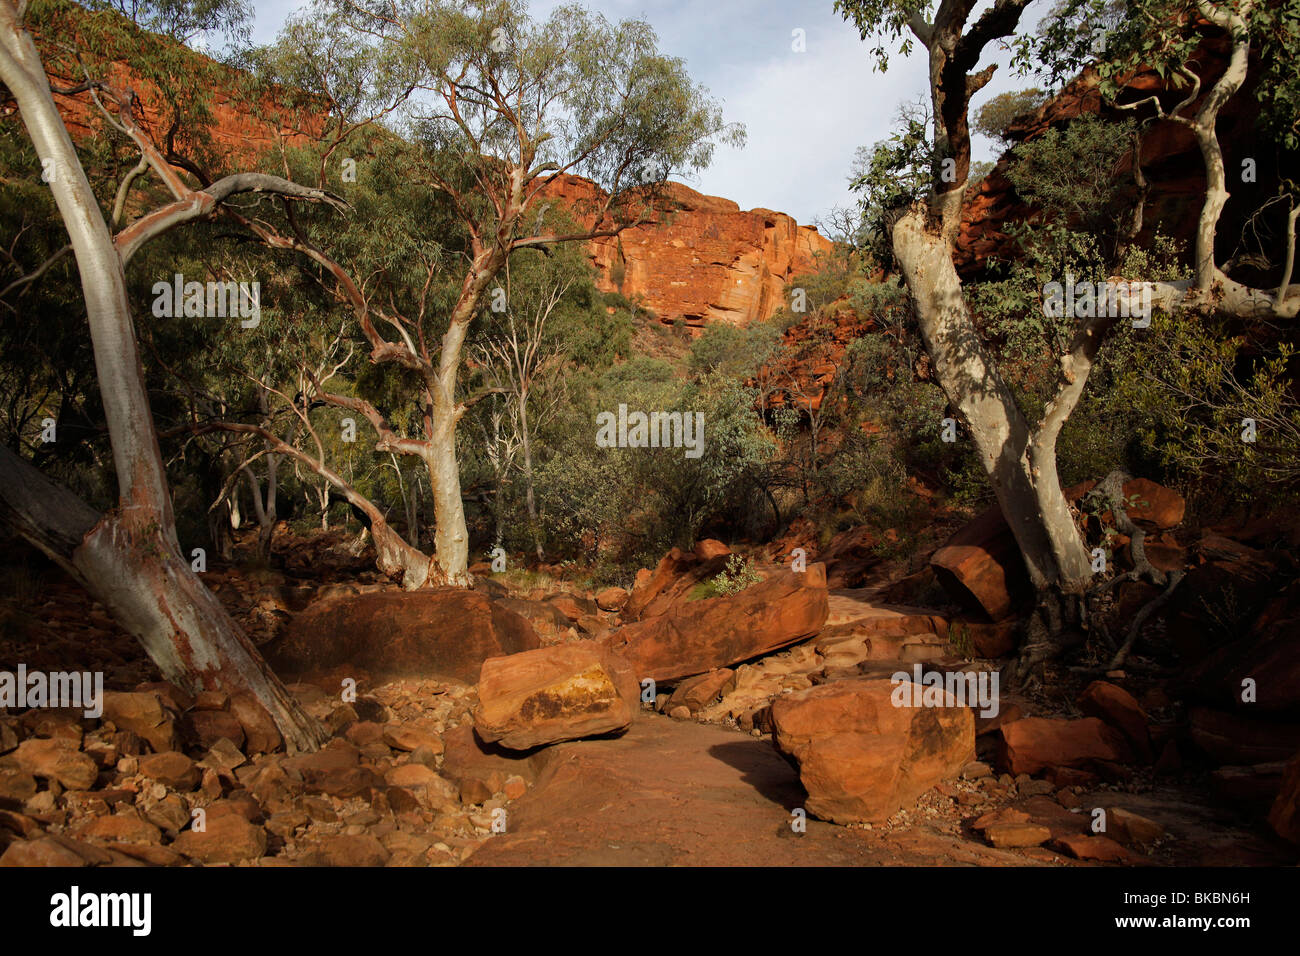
738	575
996	115
1194	384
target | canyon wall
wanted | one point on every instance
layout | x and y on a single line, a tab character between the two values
703	261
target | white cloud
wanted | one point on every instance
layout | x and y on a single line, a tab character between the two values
805	113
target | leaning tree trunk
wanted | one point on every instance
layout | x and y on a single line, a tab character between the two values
130	558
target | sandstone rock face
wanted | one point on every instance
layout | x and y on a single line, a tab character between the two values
443	631
565	692
1032	744
697	636
1175	196
861	758
704	260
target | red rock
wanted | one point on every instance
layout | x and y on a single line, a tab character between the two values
564	692
706	262
472	764
171	768
1011	835
574	607
261	736
145	715
1007	713
408	738
123	827
650	585
349	850
861	758
1032	744
1156	506
981	567
1121	710
611	599
16	787
441	631
697	636
1002	815
1128	827
696	693
211	700
205	727
57	758
1284	817
226	838
49	851
708	548
174	697
1099	848
1239	741
988	639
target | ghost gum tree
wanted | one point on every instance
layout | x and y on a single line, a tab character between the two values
499	107
1019	456
129	558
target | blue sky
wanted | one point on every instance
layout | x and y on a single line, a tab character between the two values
805	113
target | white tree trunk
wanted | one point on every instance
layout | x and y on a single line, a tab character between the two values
130	559
1020	465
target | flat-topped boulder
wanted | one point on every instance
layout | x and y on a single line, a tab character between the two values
551	694
446	632
697	636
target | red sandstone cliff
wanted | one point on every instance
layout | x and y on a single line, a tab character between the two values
704	261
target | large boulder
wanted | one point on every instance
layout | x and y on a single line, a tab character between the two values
447	632
1121	710
1284	817
1033	744
1240	741
676	577
565	692
698	636
981	567
1267	655
860	757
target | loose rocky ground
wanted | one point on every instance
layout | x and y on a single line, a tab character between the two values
165	779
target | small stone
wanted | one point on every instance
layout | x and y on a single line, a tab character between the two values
680	712
227	838
171	768
58	759
1129	827
1009	835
